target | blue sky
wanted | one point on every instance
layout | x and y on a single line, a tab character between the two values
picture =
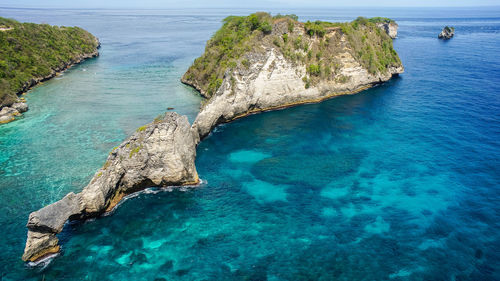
165	4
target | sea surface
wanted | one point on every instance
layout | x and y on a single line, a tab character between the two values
399	182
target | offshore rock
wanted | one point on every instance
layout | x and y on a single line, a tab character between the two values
447	33
161	153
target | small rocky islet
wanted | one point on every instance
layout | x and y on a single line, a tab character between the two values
447	33
32	53
252	64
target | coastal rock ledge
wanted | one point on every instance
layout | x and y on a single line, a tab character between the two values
161	153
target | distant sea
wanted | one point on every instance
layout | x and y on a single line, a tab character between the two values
399	182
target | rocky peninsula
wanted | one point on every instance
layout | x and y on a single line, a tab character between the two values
251	64
32	53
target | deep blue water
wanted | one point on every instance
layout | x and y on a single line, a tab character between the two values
399	182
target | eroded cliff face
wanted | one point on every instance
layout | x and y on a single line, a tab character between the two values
267	77
391	28
159	154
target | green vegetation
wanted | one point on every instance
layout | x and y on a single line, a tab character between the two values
449	29
29	50
135	150
314	69
371	46
237	36
379	20
142	128
291	16
241	40
316	28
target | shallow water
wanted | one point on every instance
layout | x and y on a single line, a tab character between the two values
399	182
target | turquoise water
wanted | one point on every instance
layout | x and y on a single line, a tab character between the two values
400	182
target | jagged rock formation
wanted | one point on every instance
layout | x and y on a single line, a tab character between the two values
447	33
159	154
283	62
51	49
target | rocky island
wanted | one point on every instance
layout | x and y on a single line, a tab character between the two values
259	63
252	64
31	53
447	33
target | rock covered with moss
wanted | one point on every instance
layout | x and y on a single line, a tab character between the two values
31	53
261	62
159	154
447	33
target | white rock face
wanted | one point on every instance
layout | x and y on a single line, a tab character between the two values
159	154
275	82
390	27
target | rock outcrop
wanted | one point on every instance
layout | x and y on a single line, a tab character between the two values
159	154
391	28
447	33
9	113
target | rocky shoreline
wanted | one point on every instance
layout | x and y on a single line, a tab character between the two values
9	113
163	152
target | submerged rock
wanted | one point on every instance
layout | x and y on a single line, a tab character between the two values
447	33
161	153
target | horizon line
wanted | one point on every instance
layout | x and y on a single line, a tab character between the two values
247	8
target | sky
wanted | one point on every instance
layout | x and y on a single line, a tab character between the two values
166	4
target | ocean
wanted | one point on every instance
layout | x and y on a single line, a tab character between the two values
399	182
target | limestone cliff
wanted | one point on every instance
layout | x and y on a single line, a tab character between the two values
390	27
159	154
258	63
